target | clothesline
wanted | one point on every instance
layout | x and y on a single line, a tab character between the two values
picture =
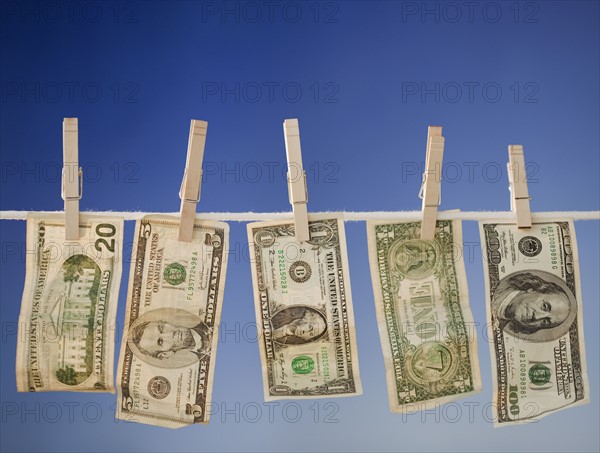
349	216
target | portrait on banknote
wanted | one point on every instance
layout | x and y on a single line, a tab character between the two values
298	325
534	305
169	338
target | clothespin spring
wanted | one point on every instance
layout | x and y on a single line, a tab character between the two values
62	188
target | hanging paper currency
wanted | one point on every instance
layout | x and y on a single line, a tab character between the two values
303	309
425	323
535	324
67	321
174	302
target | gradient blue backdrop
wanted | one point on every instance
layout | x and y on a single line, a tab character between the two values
136	72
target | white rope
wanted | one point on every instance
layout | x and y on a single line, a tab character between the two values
348	216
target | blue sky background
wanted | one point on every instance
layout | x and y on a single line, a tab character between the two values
365	80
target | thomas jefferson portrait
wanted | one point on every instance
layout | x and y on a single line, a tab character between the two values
534	305
169	338
298	325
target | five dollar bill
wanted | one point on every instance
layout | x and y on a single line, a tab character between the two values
174	302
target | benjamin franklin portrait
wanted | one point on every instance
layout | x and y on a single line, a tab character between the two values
534	305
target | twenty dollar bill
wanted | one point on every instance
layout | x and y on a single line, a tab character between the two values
67	321
304	310
534	319
174	303
425	323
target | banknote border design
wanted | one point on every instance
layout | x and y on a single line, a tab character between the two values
109	317
575	331
135	280
472	351
342	256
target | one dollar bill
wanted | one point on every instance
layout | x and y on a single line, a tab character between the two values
67	321
303	309
533	299
425	323
174	302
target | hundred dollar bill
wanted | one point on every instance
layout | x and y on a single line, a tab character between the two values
170	337
533	300
425	323
66	326
303	309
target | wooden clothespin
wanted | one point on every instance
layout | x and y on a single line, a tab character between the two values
517	179
432	178
72	178
192	177
297	191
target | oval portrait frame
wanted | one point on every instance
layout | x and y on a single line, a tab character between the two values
173	316
292	307
541	335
